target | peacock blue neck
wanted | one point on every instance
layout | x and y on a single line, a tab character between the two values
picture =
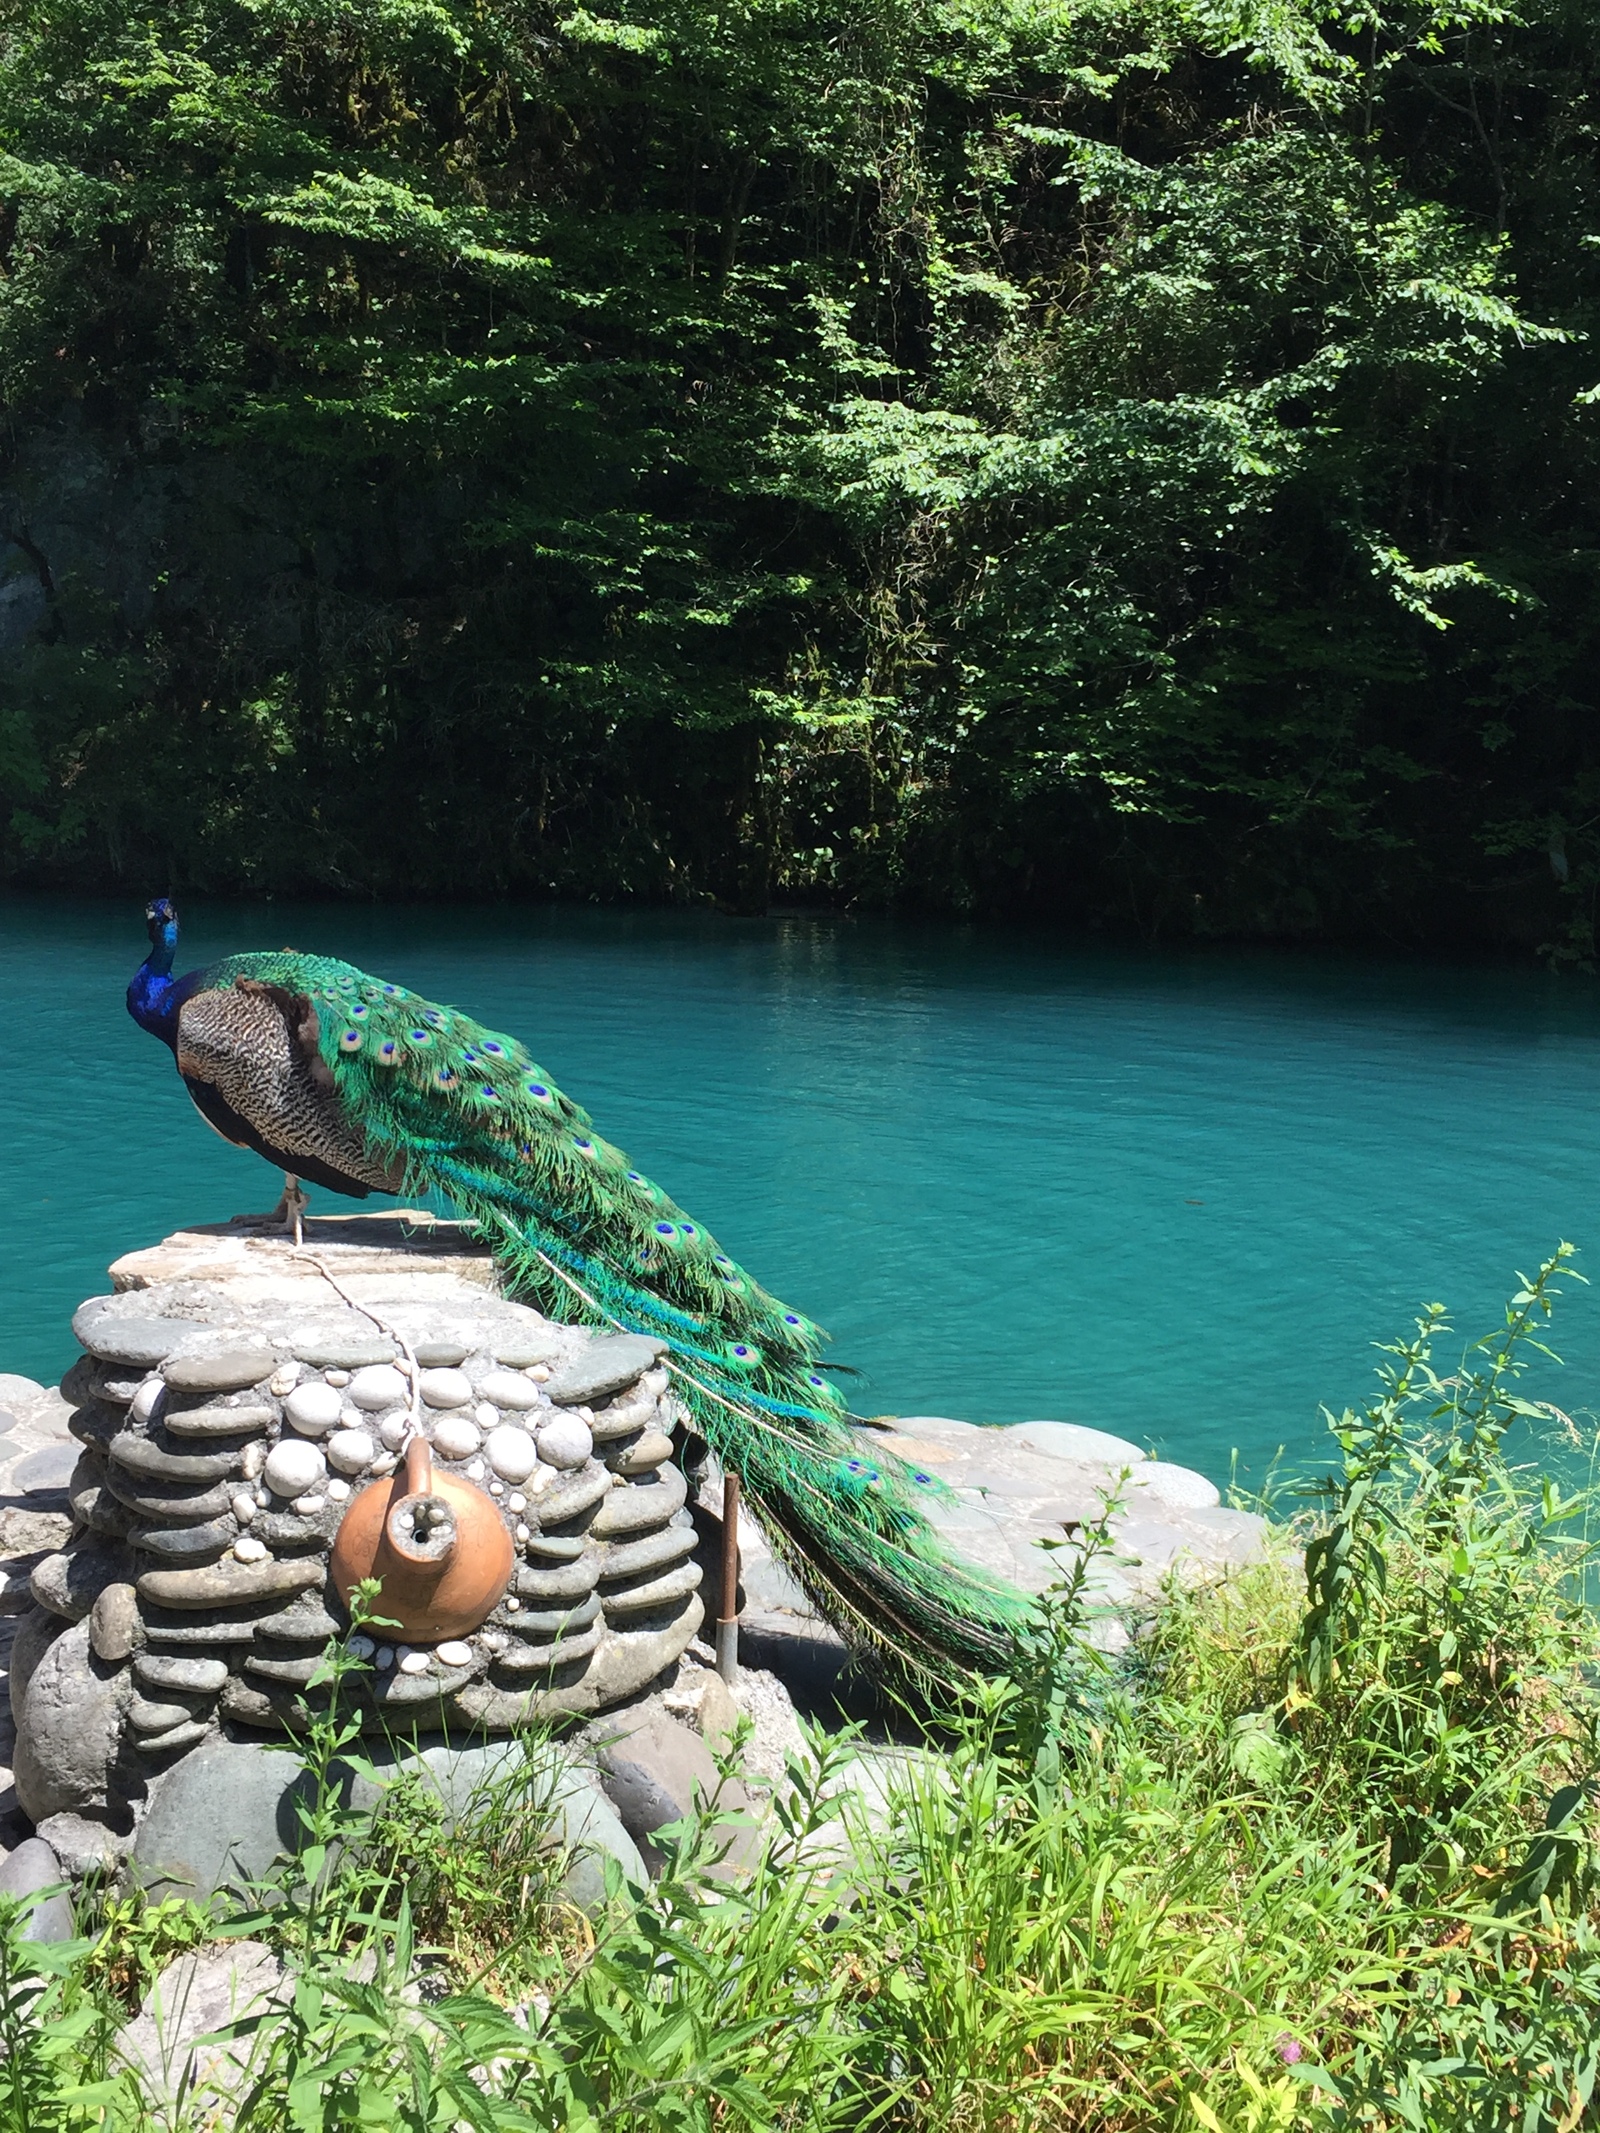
155	995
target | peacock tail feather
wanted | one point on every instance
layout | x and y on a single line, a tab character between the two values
591	1240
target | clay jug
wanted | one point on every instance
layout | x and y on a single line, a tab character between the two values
439	1545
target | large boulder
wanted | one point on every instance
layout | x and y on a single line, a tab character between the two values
224	1816
69	1741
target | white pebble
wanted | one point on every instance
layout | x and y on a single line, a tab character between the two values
313	1408
253	1459
445	1388
306	1505
338	1378
493	1640
564	1441
487	1416
475	1471
516	1503
416	1662
512	1453
454	1653
539	1372
385	1463
351	1450
338	1491
283	1380
243	1508
147	1400
539	1480
497	1488
654	1382
385	1657
509	1388
379	1386
513	1605
454	1437
293	1466
394	1429
523	1533
247	1549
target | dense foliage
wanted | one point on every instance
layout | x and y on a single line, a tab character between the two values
1132	460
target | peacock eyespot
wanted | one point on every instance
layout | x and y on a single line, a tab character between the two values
388	1052
666	1229
489	1093
495	1051
444	1076
419	1039
359	1013
792	1318
350	1041
538	1091
688	1229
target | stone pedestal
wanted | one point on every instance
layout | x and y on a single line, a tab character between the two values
236	1397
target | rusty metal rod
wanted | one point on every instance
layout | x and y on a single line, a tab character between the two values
728	1619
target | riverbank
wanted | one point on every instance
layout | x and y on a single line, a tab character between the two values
1314	1852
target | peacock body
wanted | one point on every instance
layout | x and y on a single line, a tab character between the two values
361	1085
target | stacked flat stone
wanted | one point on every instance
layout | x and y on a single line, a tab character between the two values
227	1425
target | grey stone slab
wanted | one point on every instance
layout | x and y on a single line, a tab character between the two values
226	1813
656	1772
605	1366
194	1997
227	1370
45	1471
118	1338
1071	1440
67	1739
30	1870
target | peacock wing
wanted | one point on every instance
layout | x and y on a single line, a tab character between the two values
249	1055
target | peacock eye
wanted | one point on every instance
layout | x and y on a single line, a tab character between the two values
350	1041
666	1229
388	1052
445	1076
538	1091
689	1229
358	1013
495	1051
489	1093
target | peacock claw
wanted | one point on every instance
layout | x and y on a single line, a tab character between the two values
289	1214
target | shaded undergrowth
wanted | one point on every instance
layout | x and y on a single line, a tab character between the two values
1318	1854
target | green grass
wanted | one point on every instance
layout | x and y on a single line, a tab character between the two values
1318	1856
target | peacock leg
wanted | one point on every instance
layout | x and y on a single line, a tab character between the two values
292	1207
288	1214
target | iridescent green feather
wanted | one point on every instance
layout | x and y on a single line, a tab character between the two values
593	1241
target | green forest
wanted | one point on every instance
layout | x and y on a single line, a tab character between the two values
1129	463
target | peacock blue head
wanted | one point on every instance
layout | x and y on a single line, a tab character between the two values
161	923
154	997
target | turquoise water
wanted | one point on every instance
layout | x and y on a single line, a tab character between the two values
1174	1194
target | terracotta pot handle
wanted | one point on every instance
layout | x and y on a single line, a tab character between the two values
419	1466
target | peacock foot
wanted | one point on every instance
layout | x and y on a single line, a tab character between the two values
289	1214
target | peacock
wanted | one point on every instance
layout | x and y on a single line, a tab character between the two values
348	1082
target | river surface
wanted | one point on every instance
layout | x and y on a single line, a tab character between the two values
1174	1194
